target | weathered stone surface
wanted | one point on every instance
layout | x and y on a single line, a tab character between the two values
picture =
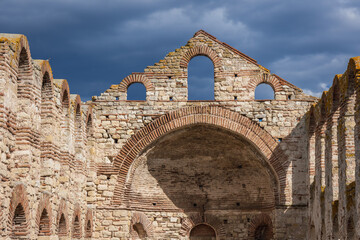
169	168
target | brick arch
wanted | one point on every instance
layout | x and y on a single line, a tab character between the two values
261	220
194	220
202	50
139	217
63	210
76	229
88	219
19	197
136	78
272	80
44	224
23	47
213	115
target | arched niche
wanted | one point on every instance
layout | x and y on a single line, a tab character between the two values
201	168
202	232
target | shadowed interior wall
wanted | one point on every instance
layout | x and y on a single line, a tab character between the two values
201	168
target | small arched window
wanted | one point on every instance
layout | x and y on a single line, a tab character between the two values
88	229
139	230
76	231
44	224
136	92
202	231
46	93
62	226
201	79
24	72
264	92
19	224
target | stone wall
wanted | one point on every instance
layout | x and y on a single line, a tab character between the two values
169	168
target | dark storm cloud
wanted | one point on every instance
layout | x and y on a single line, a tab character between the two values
97	43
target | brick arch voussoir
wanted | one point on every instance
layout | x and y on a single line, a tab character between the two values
202	50
258	220
44	203
212	115
139	217
19	196
273	82
193	220
63	209
136	78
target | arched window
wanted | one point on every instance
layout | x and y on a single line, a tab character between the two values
88	232
24	72
200	79
264	92
139	230
62	226
76	228
202	231
46	93
44	224
19	224
136	91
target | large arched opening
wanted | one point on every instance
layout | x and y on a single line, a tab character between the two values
205	170
202	232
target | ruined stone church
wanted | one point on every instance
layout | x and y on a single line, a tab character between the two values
169	168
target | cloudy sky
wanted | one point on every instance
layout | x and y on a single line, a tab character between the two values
94	44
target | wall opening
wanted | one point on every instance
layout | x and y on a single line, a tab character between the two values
46	93
44	224
261	232
202	232
24	72
19	224
264	92
76	228
136	92
62	226
201	79
139	230
88	229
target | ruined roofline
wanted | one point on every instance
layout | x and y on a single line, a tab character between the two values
227	46
250	59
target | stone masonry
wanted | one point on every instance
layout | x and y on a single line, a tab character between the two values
169	168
